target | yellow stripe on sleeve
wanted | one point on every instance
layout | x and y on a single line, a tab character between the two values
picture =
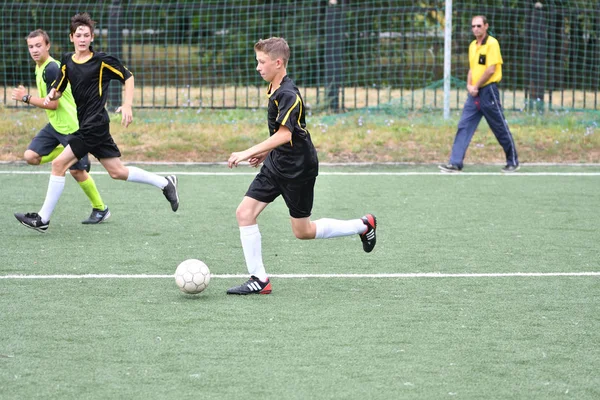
102	66
290	110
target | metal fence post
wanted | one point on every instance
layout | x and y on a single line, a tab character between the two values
447	56
115	48
333	54
538	28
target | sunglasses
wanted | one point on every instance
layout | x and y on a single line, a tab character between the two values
476	26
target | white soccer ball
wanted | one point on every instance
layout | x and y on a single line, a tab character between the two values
192	276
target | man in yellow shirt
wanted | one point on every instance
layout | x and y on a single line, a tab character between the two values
485	71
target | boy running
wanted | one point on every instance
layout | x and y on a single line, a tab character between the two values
89	73
62	117
290	169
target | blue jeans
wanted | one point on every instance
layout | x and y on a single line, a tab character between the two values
487	105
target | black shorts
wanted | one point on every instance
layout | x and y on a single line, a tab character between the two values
298	195
48	138
96	141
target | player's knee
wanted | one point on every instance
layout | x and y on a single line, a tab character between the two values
303	234
244	216
78	174
31	157
118	173
241	214
58	168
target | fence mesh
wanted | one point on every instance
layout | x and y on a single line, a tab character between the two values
345	54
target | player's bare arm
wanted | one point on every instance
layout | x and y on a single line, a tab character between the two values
283	135
126	108
20	94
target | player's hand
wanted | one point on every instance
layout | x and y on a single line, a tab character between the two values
127	113
236	158
18	93
52	95
256	160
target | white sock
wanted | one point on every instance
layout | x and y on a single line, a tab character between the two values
330	228
56	185
141	176
252	246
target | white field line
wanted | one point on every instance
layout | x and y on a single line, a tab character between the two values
326	276
324	173
332	164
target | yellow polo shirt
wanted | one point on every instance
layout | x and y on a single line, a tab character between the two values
481	57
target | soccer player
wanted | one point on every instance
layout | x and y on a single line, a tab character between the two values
290	169
62	117
89	73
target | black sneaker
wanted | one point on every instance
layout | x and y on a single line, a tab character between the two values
369	238
252	286
449	168
97	216
511	168
33	221
170	192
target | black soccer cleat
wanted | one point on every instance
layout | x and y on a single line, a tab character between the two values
33	221
97	216
252	286
449	168
369	238
170	192
510	168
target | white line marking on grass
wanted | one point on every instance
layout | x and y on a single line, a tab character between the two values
301	276
358	173
333	164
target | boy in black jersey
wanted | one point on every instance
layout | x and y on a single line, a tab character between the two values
89	73
290	167
62	121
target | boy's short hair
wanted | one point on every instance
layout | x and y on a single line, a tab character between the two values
274	47
82	19
39	32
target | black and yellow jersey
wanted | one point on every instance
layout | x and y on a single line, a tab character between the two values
89	85
298	158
